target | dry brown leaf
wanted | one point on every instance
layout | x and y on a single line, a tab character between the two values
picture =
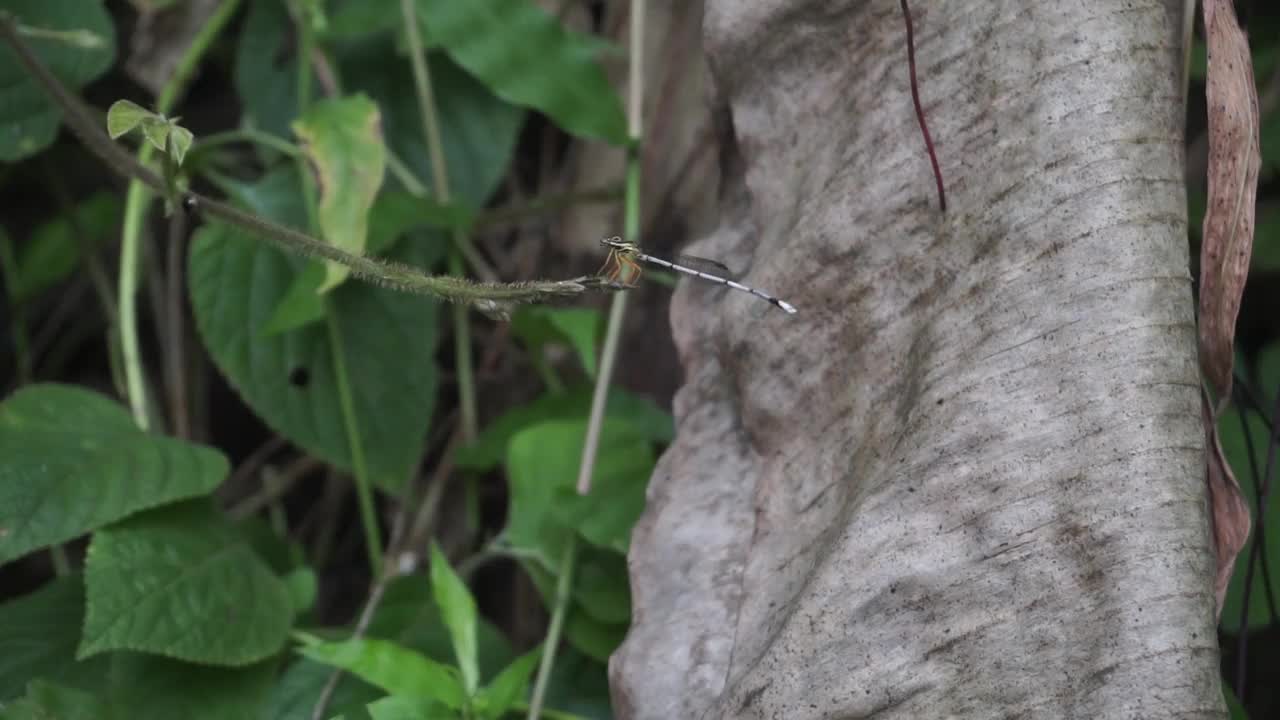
1234	160
1229	514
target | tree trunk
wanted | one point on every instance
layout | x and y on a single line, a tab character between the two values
966	479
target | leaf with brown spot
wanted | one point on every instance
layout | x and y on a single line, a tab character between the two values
1234	160
1229	515
342	141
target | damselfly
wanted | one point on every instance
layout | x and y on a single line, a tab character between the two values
623	268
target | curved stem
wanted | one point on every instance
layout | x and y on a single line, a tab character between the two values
136	202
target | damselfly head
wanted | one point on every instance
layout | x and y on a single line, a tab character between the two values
615	242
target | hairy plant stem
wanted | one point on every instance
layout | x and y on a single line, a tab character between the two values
489	297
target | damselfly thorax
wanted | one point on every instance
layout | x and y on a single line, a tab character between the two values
623	265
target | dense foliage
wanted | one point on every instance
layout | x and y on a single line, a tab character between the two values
264	470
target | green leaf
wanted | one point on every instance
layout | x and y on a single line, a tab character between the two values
181	582
398	670
48	701
342	140
509	687
478	131
579	685
490	448
1266	242
53	251
396	212
282	554
542	463
527	58
145	687
579	327
125	115
303	587
1235	710
266	68
302	303
410	616
387	338
407	615
1231	434
458	609
596	639
398	708
356	19
156	130
180	140
293	695
28	119
601	586
71	461
39	633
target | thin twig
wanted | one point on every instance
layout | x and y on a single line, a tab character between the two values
362	625
302	466
420	528
915	98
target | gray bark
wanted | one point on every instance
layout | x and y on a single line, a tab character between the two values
966	479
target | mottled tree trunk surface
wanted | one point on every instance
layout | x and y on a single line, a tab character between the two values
965	480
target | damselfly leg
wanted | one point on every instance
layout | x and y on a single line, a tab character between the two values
620	266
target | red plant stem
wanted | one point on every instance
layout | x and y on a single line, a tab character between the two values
915	97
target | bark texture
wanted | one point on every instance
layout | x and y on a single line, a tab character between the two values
966	480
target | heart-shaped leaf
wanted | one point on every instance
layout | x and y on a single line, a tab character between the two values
45	701
71	461
125	115
542	464
527	58
28	118
182	582
387	340
490	449
39	633
180	140
146	687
